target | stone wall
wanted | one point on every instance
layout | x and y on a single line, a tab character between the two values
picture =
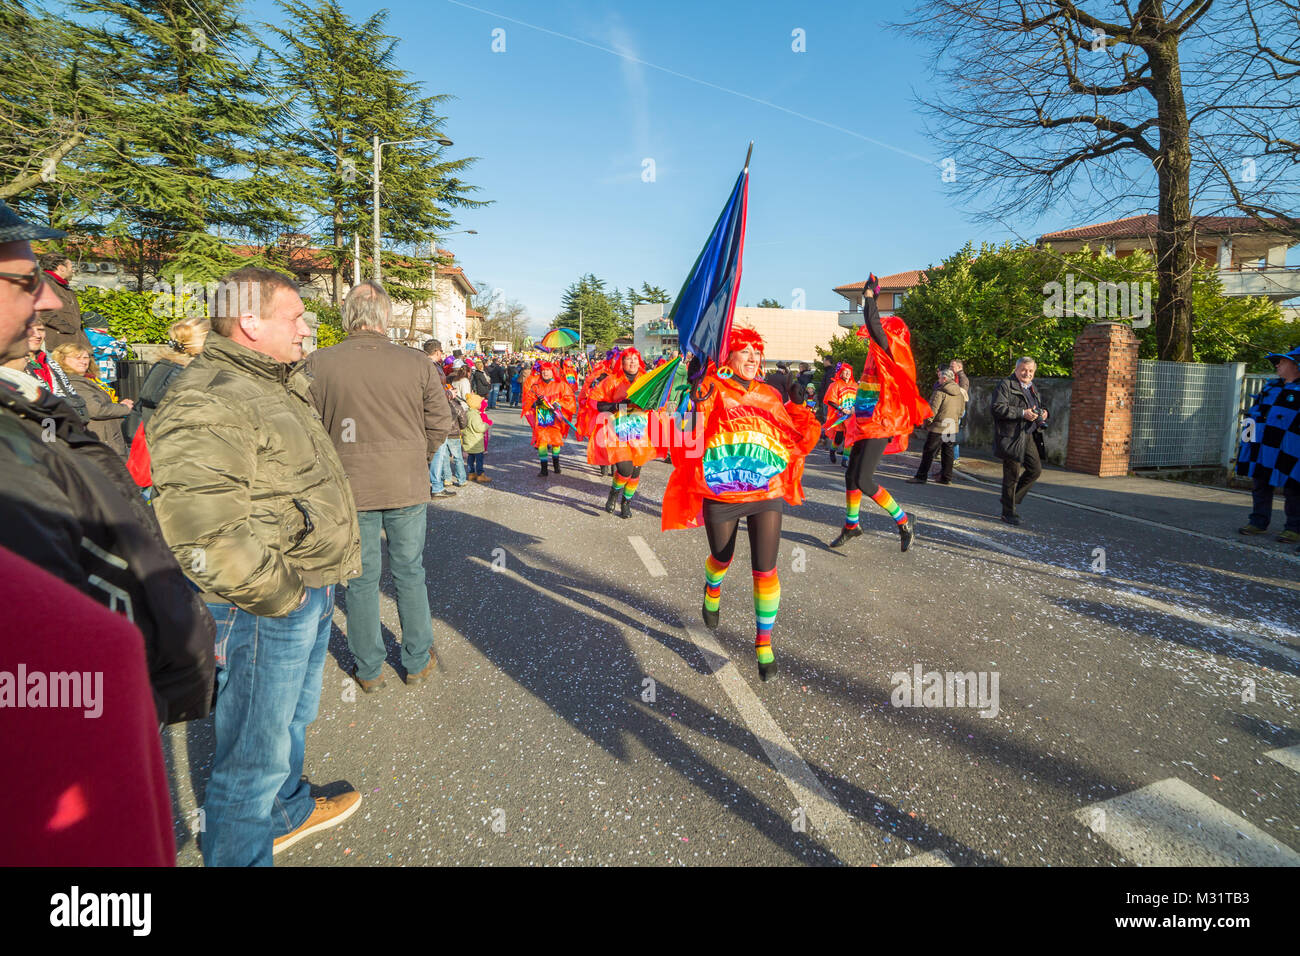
1055	392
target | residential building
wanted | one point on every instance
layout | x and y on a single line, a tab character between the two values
1250	256
893	289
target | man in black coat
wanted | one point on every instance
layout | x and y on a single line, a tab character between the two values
68	505
1018	420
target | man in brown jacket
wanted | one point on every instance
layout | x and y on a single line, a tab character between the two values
64	323
947	405
387	414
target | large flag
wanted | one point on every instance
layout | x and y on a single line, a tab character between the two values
704	307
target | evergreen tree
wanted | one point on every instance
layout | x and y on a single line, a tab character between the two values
195	158
341	73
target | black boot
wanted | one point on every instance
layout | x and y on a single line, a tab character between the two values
906	532
845	535
625	509
555	463
614	494
710	618
542	473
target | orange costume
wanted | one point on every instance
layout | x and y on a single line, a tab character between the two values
586	413
624	435
887	404
753	449
546	406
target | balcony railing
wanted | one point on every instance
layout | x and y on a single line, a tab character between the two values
1276	282
660	327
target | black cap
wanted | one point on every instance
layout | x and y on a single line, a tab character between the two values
14	228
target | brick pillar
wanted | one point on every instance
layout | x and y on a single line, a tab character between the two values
1101	400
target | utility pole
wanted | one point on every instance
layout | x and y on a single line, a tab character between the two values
378	268
579	328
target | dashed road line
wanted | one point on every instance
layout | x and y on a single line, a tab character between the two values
647	556
1171	823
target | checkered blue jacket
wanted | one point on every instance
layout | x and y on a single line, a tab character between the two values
1275	452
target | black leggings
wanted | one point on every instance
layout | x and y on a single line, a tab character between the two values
627	470
864	458
764	538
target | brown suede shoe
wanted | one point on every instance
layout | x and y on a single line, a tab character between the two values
329	812
369	686
425	674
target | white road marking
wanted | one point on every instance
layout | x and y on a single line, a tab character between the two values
647	556
823	813
1288	757
1170	823
1253	549
933	858
828	821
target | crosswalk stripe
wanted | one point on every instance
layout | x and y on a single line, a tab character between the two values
1288	757
1171	823
647	556
933	858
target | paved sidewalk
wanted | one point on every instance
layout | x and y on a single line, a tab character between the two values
1215	512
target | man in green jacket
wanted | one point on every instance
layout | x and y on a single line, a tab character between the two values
256	507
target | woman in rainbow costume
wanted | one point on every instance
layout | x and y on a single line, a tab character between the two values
586	411
839	399
621	433
750	461
548	407
887	407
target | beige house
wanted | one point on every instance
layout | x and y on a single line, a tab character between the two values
789	335
893	289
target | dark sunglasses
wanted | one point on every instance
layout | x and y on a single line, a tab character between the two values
30	281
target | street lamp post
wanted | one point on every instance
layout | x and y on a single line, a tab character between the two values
378	150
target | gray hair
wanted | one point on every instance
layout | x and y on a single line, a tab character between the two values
1026	360
367	306
946	375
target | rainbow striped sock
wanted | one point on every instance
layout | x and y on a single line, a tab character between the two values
713	573
629	489
767	598
619	481
886	501
852	502
541	453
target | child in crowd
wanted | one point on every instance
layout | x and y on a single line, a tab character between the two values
474	438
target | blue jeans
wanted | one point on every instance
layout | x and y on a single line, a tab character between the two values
449	450
516	392
476	462
405	528
269	672
492	396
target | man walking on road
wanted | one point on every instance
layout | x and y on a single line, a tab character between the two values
947	405
255	505
1269	444
1018	419
386	412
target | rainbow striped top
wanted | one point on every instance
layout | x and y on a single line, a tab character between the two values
745	451
864	403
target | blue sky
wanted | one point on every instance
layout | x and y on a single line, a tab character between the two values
843	180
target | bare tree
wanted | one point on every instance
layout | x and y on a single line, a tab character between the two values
1043	103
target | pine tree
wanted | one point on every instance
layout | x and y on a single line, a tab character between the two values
196	160
341	73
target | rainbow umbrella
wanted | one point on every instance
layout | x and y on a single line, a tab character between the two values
558	339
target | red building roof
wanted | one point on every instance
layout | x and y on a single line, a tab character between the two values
1141	227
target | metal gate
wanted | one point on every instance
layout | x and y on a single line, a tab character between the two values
1185	414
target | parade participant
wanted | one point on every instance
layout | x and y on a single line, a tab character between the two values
887	406
621	436
751	460
587	411
1269	447
549	406
570	372
839	398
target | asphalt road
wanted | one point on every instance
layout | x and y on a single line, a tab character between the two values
582	715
